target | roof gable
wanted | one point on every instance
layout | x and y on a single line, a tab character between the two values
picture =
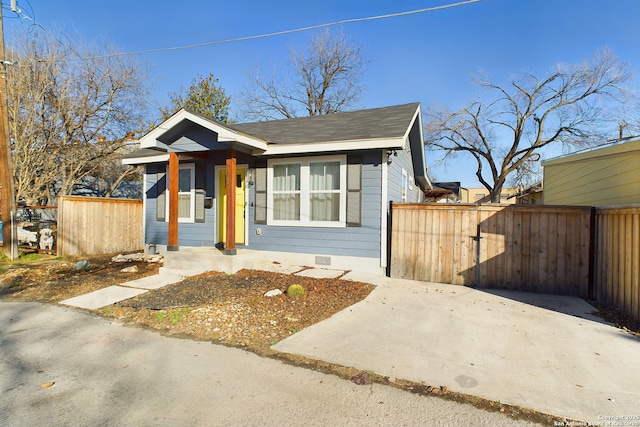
188	129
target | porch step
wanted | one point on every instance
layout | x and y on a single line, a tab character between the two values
193	261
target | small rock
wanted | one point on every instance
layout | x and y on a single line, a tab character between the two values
273	293
132	269
153	258
138	256
361	379
81	265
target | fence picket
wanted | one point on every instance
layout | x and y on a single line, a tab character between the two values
93	225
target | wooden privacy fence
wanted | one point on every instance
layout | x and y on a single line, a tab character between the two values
526	248
580	251
93	225
617	253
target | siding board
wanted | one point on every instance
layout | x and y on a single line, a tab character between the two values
605	176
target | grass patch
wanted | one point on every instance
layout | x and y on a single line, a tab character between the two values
177	315
29	258
25	258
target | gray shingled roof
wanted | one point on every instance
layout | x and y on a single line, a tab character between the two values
386	122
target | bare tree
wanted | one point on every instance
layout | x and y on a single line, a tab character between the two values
510	131
61	105
324	79
112	174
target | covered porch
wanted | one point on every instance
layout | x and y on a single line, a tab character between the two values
197	174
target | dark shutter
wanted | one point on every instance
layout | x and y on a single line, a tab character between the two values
200	212
201	181
354	191
261	194
161	198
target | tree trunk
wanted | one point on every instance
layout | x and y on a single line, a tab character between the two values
495	193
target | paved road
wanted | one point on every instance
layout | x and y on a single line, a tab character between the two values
107	374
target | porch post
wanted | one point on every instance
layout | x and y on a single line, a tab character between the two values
172	242
230	243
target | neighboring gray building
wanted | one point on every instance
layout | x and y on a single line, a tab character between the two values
309	186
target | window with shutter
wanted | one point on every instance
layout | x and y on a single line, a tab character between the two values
307	191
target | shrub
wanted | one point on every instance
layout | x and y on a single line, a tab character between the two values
295	290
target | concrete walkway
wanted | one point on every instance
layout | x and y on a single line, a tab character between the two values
543	352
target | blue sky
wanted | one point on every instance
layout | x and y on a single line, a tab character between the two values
428	57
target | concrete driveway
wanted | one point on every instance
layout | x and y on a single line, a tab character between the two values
543	352
64	367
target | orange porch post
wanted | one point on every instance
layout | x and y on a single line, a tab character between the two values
172	243
230	241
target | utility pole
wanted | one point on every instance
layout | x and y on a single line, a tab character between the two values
7	193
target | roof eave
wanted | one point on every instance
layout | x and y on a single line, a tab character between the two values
332	146
158	158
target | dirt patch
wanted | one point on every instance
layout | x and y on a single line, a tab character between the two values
234	310
51	279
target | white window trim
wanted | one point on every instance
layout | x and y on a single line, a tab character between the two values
404	186
192	193
305	192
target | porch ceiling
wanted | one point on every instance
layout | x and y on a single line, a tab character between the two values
188	129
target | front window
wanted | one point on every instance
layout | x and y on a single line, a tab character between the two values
308	191
324	191
286	192
186	193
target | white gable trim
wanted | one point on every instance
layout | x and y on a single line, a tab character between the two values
225	134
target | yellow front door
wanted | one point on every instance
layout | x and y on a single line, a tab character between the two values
222	206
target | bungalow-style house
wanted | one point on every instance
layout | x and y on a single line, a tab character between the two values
317	187
607	175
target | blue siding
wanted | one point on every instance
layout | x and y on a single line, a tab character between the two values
394	178
189	234
363	241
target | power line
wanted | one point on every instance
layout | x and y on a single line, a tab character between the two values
280	33
21	14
